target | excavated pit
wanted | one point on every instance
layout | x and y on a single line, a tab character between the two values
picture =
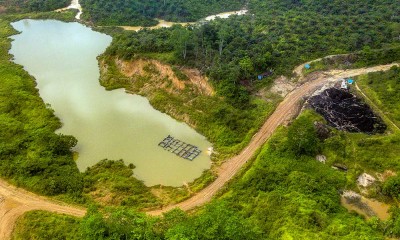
344	111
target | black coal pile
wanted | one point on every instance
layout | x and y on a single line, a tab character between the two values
346	112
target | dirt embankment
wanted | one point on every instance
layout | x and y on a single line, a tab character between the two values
2	9
15	201
170	89
144	76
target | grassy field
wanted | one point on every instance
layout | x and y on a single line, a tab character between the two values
383	88
41	225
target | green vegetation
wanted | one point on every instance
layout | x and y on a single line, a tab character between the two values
136	12
282	196
296	197
17	6
44	225
31	154
363	58
303	138
392	187
120	223
111	183
362	152
279	36
370	153
286	193
375	153
228	126
384	90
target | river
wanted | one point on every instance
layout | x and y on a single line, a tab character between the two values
108	124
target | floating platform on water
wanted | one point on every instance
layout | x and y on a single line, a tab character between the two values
182	149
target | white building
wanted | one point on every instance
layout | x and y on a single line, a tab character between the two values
344	84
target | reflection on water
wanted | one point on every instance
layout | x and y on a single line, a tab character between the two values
113	125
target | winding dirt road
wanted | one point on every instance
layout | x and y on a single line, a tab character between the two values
14	201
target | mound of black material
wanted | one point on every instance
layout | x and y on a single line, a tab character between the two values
346	112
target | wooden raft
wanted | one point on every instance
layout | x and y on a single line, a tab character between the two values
182	149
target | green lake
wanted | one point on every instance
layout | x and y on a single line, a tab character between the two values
108	124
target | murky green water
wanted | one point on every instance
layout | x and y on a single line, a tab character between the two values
114	125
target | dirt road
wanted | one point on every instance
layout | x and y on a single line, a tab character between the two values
14	201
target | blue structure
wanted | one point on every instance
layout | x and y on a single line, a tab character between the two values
350	81
307	66
265	74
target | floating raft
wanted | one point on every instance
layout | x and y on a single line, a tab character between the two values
182	149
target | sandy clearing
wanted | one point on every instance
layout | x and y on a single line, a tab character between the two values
74	5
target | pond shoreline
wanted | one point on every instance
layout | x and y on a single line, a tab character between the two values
87	107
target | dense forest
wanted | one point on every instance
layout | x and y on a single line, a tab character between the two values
136	12
13	6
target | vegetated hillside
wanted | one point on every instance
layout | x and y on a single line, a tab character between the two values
136	12
12	6
279	36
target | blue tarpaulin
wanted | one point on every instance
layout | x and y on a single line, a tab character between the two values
307	66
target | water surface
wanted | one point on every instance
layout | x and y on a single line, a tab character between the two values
108	124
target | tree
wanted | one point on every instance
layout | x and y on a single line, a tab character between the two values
391	187
218	221
180	37
246	64
302	137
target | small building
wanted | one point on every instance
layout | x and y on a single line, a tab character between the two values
307	66
265	74
344	84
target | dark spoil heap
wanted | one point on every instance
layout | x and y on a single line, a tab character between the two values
346	112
